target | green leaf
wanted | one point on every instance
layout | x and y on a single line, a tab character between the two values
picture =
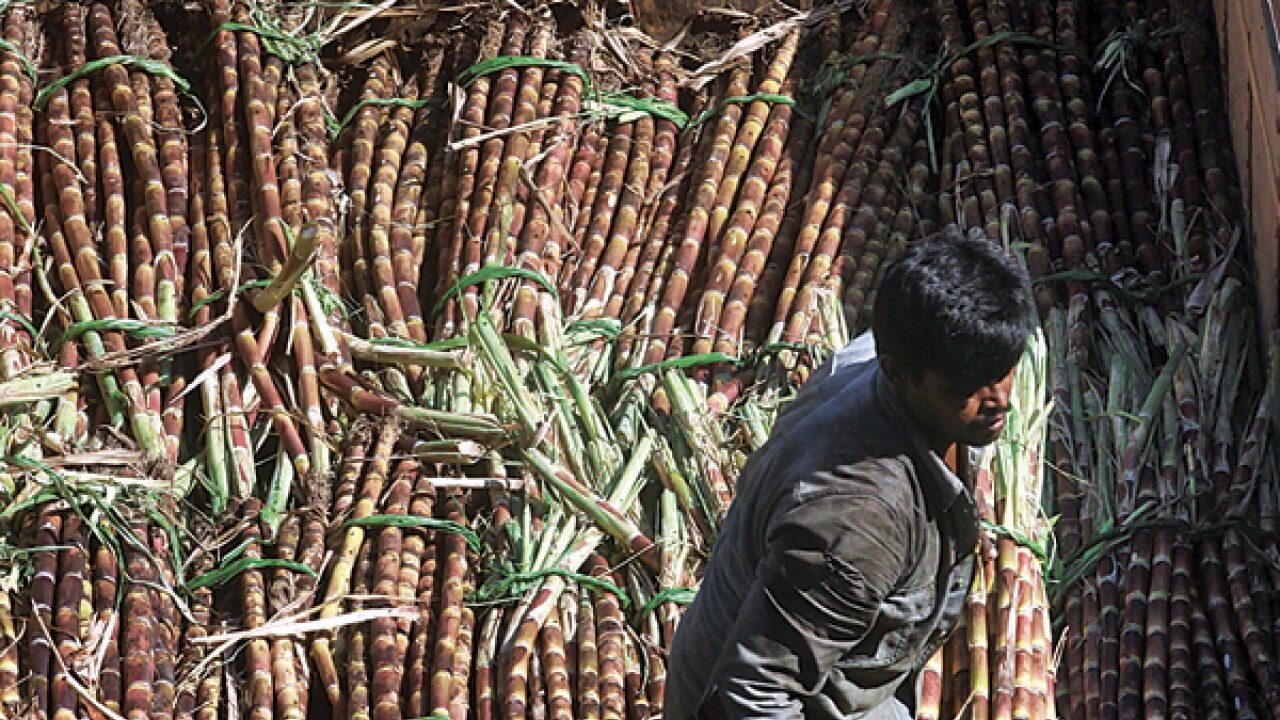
1013	38
490	273
134	328
680	363
604	328
218	295
677	595
437	346
21	320
503	62
290	48
740	99
148	65
625	107
12	205
227	573
26	64
416	521
1018	537
910	90
508	585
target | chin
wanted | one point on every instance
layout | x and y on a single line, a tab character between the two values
980	437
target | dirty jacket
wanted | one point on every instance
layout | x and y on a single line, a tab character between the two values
842	565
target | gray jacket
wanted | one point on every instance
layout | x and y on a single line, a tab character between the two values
842	566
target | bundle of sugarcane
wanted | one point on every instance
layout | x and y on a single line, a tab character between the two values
1095	166
1168	492
498	608
116	597
28	402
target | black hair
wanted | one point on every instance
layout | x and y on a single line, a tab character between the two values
961	307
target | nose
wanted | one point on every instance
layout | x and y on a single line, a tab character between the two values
995	397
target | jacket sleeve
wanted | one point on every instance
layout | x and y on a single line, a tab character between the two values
828	565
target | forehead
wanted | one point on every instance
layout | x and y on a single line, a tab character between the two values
955	385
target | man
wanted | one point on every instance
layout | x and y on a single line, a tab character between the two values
844	561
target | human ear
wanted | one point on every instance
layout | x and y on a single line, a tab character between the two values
891	366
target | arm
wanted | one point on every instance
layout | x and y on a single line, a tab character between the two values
829	564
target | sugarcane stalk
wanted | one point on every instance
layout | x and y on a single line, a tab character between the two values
253	599
1214	577
865	246
692	228
23	32
588	685
12	224
752	207
1253	635
610	518
78	270
167	626
1212	686
384	654
407	242
198	696
609	646
616	262
65	628
505	226
636	696
280	597
421	545
625	157
355	649
480	427
654	259
1155	684
1181	669
138	667
749	133
383	300
542	234
146	162
105	589
552	651
644	243
344	567
486	700
929	705
449	620
498	118
457	206
460	694
749	281
318	184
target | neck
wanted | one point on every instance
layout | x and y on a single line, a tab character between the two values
950	454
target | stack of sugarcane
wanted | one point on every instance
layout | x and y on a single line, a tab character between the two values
388	336
554	592
1167	513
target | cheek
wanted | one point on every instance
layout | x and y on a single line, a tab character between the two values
954	412
970	409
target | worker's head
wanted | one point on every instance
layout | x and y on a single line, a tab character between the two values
951	319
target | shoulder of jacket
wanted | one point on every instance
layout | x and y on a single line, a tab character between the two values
885	479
